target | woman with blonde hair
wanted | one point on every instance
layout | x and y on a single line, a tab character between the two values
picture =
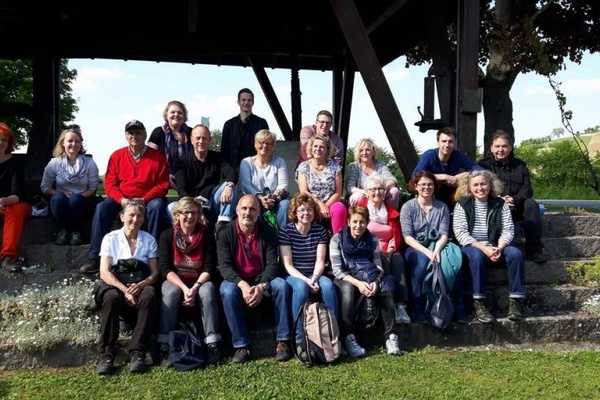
70	180
321	178
365	164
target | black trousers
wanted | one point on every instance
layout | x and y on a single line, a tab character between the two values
143	318
528	211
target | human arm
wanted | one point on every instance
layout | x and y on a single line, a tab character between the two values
48	185
352	179
226	248
162	182
337	195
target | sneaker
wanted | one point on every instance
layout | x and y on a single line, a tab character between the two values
90	267
392	345
165	358
482	313
352	347
76	239
62	237
137	362
539	257
105	365
241	355
401	315
213	354
514	309
10	264
283	351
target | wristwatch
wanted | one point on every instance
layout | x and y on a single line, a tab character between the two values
266	286
230	184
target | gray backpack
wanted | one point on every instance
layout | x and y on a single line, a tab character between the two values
442	309
321	342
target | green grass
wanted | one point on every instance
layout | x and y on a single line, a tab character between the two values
424	374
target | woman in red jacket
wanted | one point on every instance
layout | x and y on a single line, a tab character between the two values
385	225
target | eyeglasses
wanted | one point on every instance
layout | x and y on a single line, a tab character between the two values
305	210
268	144
191	213
425	185
324	123
248	250
377	189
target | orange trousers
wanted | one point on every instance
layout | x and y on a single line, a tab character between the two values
14	218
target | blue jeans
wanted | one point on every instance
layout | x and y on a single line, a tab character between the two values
301	292
108	209
417	263
69	212
512	259
206	306
216	211
233	305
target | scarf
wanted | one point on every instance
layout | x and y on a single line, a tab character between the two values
73	173
356	249
378	215
173	148
188	257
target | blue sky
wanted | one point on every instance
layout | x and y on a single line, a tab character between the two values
111	92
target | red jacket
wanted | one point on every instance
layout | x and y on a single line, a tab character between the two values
393	221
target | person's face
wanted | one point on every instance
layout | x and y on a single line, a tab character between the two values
366	153
358	225
175	116
501	149
425	187
136	137
247	211
323	124
246	102
265	146
480	188
201	139
71	144
375	193
189	217
446	144
305	213
319	149
132	219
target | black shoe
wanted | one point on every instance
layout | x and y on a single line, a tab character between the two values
213	354
76	239
105	365
419	316
241	355
137	362
283	351
539	257
460	315
514	309
165	358
62	237
10	264
482	313
90	267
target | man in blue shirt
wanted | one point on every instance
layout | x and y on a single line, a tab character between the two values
447	164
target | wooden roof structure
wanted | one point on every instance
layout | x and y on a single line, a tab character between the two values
342	36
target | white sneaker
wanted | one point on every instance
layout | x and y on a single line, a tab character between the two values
352	347
392	345
401	314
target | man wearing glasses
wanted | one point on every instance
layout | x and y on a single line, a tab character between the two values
248	262
322	126
137	173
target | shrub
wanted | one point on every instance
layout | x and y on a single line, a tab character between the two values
585	273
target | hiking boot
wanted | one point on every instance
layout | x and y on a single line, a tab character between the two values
514	309
165	358
105	365
538	257
213	354
10	264
76	239
392	345
482	312
241	355
352	347
283	351
62	238
90	267
401	316
137	362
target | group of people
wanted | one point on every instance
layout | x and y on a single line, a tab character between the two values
236	231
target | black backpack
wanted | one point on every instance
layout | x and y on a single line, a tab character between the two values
321	343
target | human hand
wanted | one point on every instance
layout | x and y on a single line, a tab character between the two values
226	195
131	300
256	294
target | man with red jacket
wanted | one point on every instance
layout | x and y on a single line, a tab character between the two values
135	172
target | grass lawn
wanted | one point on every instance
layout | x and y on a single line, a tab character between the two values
422	374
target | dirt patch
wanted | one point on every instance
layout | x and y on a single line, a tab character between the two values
594	144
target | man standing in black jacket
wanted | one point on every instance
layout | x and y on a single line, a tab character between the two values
517	192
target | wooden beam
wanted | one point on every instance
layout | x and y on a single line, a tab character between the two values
391	10
192	16
366	59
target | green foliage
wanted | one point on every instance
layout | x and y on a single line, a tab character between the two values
216	140
16	87
532	141
585	273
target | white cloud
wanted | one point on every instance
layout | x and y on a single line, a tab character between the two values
91	78
395	74
581	86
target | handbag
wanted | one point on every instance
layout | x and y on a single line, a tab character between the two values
442	309
367	312
131	271
186	349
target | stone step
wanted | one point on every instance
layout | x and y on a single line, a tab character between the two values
557	327
572	246
561	225
553	272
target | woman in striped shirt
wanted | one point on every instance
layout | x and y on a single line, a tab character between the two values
484	228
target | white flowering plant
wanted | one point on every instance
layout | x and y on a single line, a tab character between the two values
39	318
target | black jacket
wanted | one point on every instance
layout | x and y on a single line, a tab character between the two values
514	174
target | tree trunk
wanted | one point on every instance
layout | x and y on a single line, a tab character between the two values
497	105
